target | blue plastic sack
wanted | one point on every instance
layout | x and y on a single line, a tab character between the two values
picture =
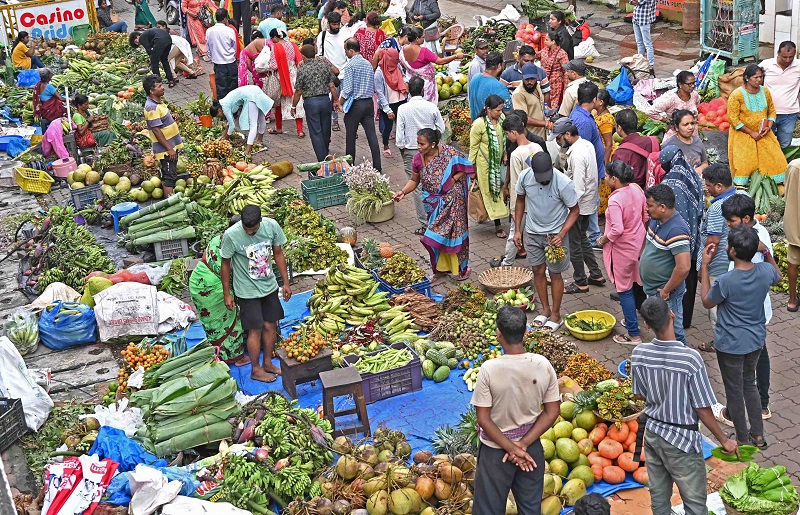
66	324
114	444
28	78
118	492
621	89
17	146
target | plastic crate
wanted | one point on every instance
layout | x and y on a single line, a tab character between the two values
423	287
166	250
83	197
390	383
325	191
12	422
278	274
34	181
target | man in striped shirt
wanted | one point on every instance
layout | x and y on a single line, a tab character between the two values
672	379
164	133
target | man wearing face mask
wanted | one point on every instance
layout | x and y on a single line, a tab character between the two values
529	97
330	44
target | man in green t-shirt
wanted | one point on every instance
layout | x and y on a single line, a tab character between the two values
251	245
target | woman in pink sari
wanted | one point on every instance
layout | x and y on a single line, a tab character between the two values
196	29
622	242
418	61
247	72
285	58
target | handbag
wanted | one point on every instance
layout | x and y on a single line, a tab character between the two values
477	209
333	166
85	139
261	62
272	85
206	17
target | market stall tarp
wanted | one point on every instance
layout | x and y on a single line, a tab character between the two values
417	414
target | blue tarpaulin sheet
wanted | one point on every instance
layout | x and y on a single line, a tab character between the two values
417	414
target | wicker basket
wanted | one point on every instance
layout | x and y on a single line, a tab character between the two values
99	123
730	510
503	278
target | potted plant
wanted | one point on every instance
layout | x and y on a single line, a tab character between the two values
200	108
369	198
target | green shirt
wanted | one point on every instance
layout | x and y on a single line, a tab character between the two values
251	258
663	242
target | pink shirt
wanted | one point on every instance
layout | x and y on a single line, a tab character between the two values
783	84
625	218
424	58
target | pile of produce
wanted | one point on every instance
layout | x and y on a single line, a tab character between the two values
439	358
610	400
400	271
461	439
460	121
781	250
586	371
253	187
359	340
520	297
305	343
529	34
175	282
166	220
368	190
773	220
714	115
67	253
311	239
761	491
467	333
302	28
587	324
497	33
466	299
347	295
422	309
450	86
762	188
541	9
383	360
142	355
191	404
554	347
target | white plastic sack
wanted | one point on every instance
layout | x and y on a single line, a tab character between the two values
154	273
151	489
396	9
126	309
508	13
17	383
586	49
119	416
261	62
638	67
183	505
173	313
53	292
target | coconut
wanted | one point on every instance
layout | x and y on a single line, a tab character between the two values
347	467
322	505
573	490
341	507
551	505
327	488
416	499
369	456
441	457
403	449
422	457
378	503
385	455
428	511
552	485
357	485
399	476
380	433
442	490
465	462
381	468
401	502
583	473
469	477
567	449
365	471
373	485
342	444
461	492
425	486
423	468
449	473
92	424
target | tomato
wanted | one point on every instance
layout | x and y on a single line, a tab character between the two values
724	126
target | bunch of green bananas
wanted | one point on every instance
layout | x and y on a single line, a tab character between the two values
398	324
347	295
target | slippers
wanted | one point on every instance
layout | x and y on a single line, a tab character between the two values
274	131
624	339
766	414
335	127
464	276
719	413
759	442
539	321
500	233
706	347
574	288
301	134
597	282
388	153
420	231
437	277
496	262
791	309
553	327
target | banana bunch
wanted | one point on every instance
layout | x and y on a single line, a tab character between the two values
398	324
347	295
254	187
471	377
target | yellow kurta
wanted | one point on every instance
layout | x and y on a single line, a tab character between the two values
479	155
744	153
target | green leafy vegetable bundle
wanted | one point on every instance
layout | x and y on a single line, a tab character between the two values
758	491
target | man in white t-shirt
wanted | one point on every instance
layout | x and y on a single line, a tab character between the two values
741	210
330	45
515	132
517	399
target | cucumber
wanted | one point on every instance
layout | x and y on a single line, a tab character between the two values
437	357
452	363
449	353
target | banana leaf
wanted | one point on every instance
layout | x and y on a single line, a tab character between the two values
206	434
165	430
158	206
197	401
201	354
186	233
192	380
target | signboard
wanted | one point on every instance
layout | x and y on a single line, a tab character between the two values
671	5
51	21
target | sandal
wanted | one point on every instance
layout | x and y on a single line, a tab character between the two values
759	442
274	131
465	275
601	281
539	321
301	134
192	76
420	231
496	262
437	277
624	339
173	83
500	233
335	127
388	153
574	288
706	347
791	309
551	326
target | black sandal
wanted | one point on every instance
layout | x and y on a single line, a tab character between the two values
706	347
574	288
496	262
173	83
420	231
597	282
759	442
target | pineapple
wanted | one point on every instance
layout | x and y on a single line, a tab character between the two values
371	255
386	250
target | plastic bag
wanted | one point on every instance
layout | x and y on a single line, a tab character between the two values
28	78
23	330
127	309
17	146
16	382
119	416
66	324
183	505
154	273
54	292
586	49
621	89
114	444
119	491
173	313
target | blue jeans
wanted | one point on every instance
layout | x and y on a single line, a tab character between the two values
644	42
594	227
119	26
675	302
666	464
784	128
318	115
629	310
36	62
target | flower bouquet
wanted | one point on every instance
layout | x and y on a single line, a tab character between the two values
369	198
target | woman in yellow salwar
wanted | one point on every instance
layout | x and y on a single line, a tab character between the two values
751	143
486	150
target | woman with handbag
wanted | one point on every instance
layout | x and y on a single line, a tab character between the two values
486	152
48	105
84	137
199	16
285	59
248	74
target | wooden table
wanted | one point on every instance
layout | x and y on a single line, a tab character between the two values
293	372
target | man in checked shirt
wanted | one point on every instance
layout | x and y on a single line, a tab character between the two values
672	379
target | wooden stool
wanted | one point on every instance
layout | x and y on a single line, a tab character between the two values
293	372
340	382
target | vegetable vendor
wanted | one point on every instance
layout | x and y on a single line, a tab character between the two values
163	130
254	105
83	119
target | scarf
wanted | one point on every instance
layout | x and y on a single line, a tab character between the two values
391	71
283	69
689	199
495	181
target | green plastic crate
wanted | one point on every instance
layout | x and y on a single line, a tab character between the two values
325	191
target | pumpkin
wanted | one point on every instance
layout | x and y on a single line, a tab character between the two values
598	434
640	476
626	463
596	459
619	433
241	166
348	235
597	470
613	475
610	449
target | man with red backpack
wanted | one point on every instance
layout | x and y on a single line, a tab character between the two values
641	152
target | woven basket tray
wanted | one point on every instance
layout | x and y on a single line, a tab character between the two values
504	278
626	419
99	123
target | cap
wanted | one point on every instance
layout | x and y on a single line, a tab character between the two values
667	153
529	71
561	126
481	43
576	65
542	166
